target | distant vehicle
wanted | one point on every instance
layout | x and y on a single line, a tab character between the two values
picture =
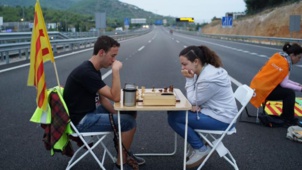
119	30
92	30
145	26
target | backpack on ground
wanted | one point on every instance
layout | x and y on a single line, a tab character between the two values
271	121
294	133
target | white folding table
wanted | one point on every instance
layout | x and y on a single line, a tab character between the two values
182	104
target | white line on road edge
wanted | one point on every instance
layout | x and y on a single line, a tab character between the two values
235	81
106	74
60	56
140	49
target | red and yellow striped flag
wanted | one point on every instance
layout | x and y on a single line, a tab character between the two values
40	52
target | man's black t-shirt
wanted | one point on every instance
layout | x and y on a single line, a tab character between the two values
80	90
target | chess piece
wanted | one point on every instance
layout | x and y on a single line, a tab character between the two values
165	89
171	88
137	93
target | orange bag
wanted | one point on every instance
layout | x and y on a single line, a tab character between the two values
269	76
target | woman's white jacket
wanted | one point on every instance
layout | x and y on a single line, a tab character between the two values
213	93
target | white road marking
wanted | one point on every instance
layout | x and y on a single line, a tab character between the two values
235	81
264	56
106	74
140	49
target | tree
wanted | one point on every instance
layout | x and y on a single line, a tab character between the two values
254	6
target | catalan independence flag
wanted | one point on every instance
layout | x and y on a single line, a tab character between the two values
40	52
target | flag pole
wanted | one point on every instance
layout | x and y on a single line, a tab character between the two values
57	77
56	72
40	52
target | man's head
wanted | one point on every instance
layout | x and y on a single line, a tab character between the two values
104	43
105	52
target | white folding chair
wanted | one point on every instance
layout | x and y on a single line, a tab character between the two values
96	138
90	137
214	138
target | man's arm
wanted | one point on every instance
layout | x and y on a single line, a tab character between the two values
116	82
107	104
113	93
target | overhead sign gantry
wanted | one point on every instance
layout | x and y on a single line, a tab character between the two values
185	19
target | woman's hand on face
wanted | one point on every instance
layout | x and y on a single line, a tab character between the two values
195	109
187	73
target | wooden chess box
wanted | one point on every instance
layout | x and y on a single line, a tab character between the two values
155	97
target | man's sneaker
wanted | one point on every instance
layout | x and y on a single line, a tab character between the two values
197	157
140	160
125	167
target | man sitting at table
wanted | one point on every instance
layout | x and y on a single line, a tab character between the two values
84	86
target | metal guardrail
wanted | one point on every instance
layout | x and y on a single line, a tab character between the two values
21	51
18	37
278	41
275	41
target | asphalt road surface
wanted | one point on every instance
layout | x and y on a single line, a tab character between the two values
150	60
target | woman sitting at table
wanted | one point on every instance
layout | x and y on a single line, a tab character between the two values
209	90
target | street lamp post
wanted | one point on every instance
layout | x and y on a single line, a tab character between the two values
21	27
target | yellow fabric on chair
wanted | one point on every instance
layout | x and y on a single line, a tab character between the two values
90	140
275	107
61	139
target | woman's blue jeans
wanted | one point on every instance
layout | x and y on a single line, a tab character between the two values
177	122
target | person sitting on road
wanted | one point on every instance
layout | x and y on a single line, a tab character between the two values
209	90
272	81
84	85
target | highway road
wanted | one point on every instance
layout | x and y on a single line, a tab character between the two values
150	60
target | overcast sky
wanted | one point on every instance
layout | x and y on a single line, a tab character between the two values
200	10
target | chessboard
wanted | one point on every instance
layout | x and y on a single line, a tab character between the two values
157	96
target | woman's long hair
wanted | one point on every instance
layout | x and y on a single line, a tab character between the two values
203	53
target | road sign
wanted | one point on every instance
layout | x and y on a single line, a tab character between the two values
227	22
100	20
294	23
158	22
185	19
126	21
138	20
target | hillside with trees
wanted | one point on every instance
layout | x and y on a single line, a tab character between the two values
78	13
256	6
272	22
263	17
